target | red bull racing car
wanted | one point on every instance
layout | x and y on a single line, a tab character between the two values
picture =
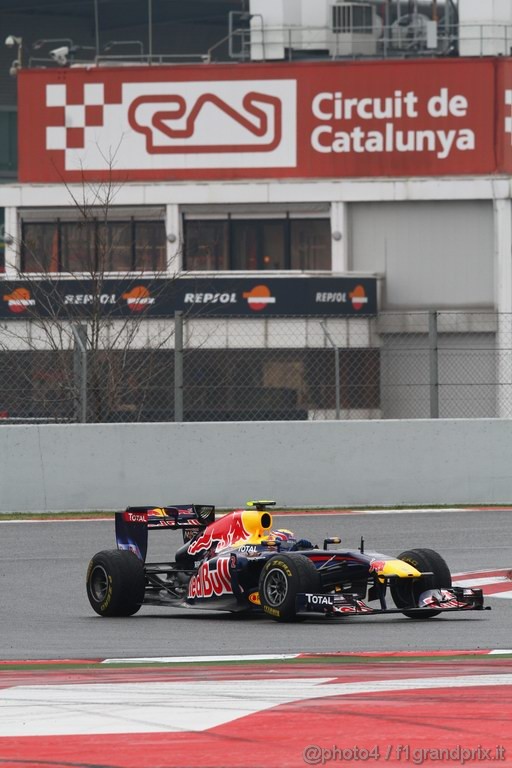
239	562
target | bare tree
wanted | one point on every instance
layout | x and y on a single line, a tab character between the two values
108	319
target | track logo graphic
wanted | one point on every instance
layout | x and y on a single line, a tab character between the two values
175	126
162	124
259	298
138	298
19	300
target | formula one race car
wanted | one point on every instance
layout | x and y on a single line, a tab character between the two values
240	563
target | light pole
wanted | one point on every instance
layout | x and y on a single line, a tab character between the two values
11	41
150	29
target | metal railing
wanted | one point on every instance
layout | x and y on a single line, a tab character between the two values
396	365
408	37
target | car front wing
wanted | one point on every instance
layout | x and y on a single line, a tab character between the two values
346	605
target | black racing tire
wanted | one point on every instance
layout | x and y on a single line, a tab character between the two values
282	577
406	592
115	583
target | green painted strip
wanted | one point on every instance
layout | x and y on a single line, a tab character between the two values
304	661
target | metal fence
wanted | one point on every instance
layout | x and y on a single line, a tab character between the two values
412	35
396	365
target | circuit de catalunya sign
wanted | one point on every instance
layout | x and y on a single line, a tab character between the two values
307	120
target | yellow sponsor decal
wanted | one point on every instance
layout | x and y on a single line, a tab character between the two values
108	597
157	512
272	611
254	598
398	568
280	564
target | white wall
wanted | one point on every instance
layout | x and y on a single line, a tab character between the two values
486	12
433	254
297	463
485	27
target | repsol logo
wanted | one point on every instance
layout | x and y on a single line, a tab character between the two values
90	298
210	298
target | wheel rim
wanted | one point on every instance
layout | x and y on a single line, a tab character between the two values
98	583
276	587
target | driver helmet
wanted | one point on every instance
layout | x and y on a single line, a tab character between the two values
283	537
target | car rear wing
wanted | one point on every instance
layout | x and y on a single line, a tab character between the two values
133	524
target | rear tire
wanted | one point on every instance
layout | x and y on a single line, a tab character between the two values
406	592
115	583
282	577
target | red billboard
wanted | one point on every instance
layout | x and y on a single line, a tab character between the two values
281	120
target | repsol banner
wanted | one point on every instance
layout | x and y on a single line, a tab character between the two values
220	297
275	120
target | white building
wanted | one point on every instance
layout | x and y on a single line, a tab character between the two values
396	170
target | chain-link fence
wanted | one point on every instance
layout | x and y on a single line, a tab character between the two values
396	365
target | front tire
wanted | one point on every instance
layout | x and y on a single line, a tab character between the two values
282	577
406	592
115	583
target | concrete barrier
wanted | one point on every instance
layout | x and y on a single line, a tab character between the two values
89	467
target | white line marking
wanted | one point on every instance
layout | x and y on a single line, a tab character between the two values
506	595
482	581
197	659
494	571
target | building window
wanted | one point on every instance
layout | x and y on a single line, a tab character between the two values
257	244
206	245
8	142
40	247
150	246
93	246
77	246
310	244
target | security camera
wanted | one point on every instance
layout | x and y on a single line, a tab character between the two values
60	55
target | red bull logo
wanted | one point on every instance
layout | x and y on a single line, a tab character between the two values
377	565
138	298
212	579
221	534
19	300
259	298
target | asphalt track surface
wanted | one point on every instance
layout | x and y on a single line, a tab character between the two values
44	612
